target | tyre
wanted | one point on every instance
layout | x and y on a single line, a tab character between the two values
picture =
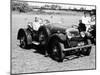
56	51
93	41
25	38
86	51
23	41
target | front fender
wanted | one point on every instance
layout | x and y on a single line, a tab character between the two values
58	36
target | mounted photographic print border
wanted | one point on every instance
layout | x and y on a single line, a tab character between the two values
29	17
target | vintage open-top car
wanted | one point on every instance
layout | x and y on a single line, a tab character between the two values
56	40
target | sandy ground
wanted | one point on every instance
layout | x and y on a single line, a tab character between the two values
29	61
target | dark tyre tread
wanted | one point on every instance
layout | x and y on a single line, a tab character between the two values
23	42
59	46
87	51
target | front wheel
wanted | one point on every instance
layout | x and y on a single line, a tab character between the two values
86	51
57	51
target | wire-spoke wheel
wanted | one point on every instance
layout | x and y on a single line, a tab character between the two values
23	42
57	51
86	51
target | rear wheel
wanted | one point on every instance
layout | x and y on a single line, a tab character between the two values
23	42
57	51
25	38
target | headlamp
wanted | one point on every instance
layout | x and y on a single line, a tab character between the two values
82	34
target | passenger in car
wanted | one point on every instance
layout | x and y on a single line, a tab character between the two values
37	23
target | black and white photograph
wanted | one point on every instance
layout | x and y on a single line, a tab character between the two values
52	37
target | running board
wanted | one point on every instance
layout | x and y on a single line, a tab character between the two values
79	47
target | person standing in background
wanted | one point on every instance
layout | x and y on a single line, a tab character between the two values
86	19
93	20
81	27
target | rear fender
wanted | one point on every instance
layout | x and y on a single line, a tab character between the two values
21	32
